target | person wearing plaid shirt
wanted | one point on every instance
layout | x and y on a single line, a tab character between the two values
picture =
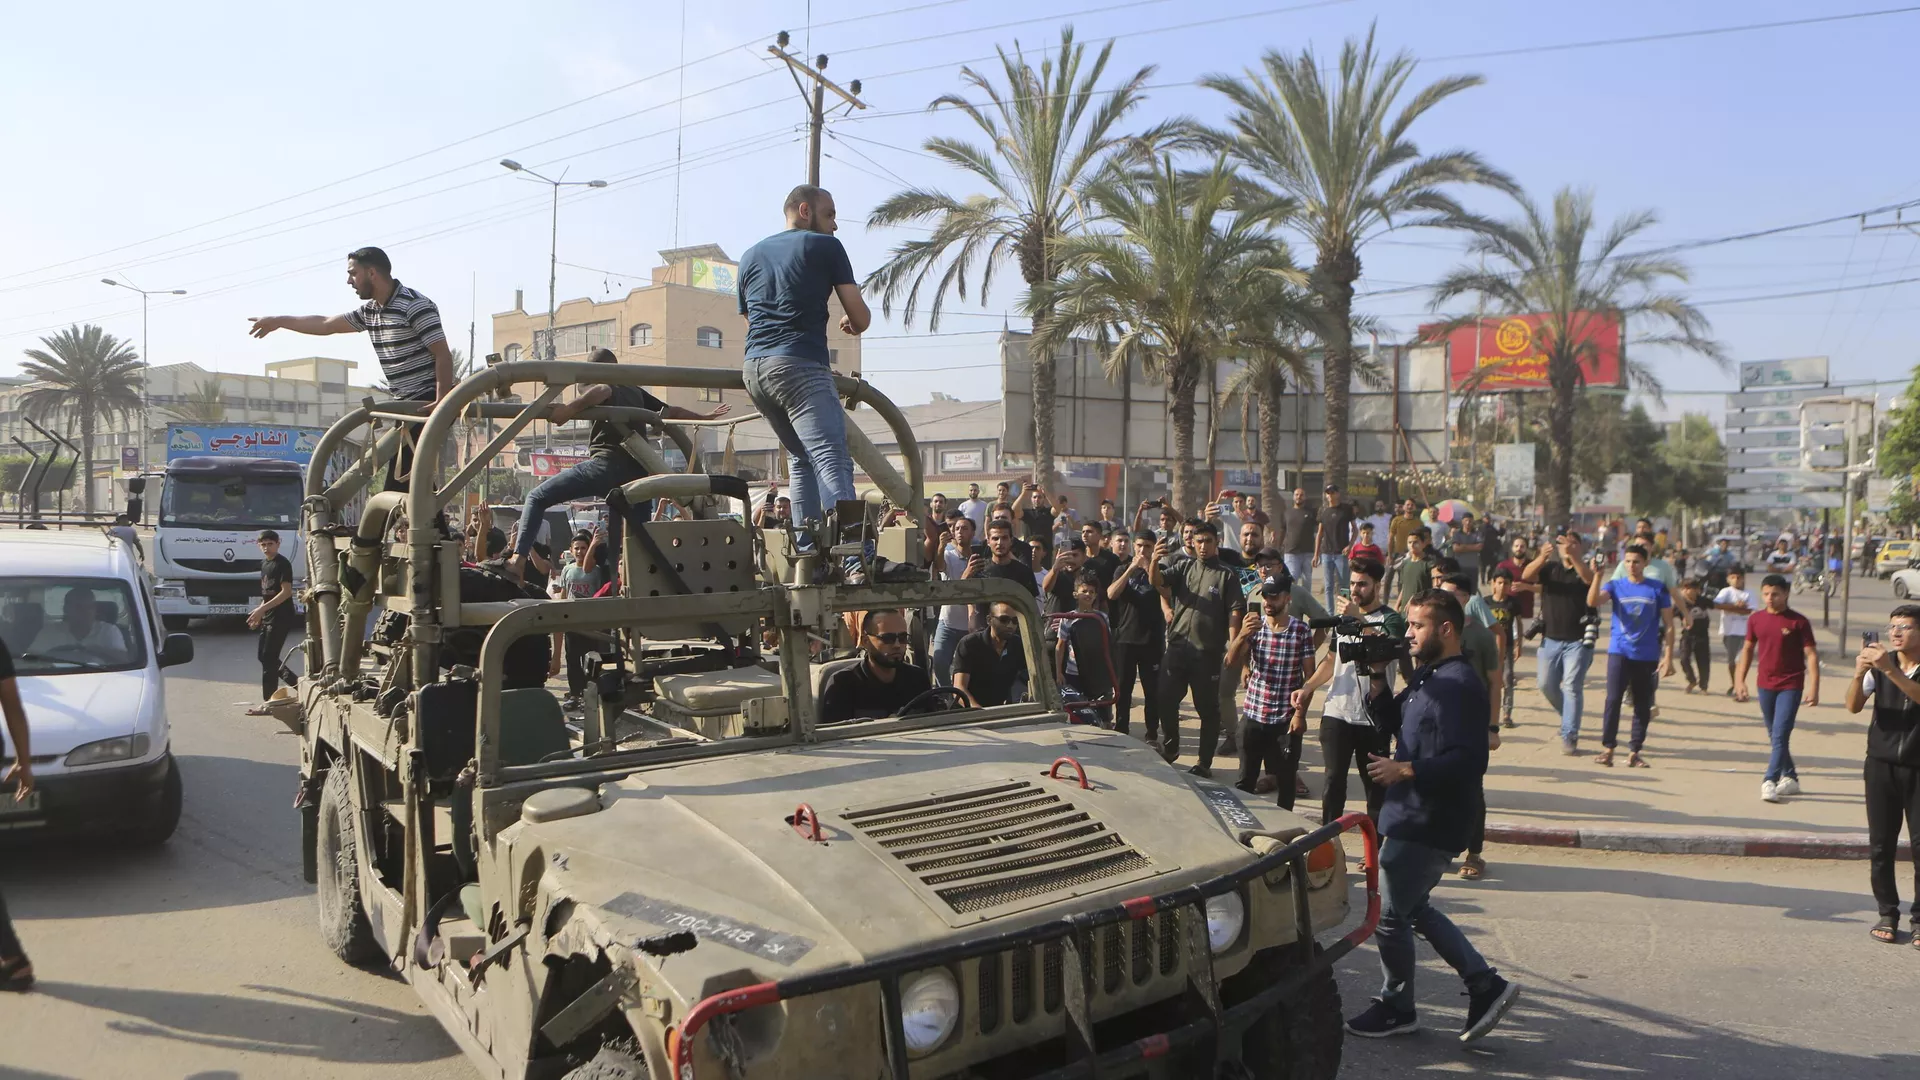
1277	649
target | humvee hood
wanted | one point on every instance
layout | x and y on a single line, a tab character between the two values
924	836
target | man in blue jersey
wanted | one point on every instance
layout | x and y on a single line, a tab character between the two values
785	282
1640	651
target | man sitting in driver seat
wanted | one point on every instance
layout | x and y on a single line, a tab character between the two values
80	628
882	683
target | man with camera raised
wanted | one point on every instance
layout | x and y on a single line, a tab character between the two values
1347	736
1433	783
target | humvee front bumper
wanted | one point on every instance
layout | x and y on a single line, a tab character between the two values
1211	1036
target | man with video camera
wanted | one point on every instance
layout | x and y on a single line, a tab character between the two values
1433	782
1347	736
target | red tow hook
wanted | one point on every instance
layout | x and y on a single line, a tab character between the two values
1054	772
806	823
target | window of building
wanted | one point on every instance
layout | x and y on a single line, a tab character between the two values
640	335
707	337
340	387
577	339
833	357
708	393
511	353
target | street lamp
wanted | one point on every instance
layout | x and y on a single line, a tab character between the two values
146	364
553	245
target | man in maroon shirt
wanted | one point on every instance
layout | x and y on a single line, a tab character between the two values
1521	591
1782	640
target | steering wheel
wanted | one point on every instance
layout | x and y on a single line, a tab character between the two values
74	646
925	700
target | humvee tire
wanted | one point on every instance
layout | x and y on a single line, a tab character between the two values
343	918
615	1061
1300	1040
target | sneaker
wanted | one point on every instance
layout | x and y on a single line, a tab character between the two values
1769	792
1202	771
1381	1020
1788	786
1484	1009
1228	748
1570	747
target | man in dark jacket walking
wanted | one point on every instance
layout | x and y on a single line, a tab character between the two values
1433	786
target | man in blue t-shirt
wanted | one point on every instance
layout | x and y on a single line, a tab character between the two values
1640	652
785	282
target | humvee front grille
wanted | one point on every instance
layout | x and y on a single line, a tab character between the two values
1124	959
990	847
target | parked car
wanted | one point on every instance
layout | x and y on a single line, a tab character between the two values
1895	555
78	617
1906	583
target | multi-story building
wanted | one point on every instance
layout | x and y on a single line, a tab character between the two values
310	392
689	316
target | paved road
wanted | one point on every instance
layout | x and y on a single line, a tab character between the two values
200	960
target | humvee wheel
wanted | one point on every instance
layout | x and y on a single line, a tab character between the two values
1299	1040
343	921
615	1061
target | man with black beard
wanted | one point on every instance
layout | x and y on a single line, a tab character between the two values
1432	781
883	682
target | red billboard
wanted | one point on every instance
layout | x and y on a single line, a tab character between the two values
550	463
1513	348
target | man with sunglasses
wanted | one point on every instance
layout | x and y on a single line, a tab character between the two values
883	682
991	664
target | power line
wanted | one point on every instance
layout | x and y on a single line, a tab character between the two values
1676	35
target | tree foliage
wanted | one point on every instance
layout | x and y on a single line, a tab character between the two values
1341	150
84	375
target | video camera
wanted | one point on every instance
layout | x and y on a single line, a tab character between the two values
1354	645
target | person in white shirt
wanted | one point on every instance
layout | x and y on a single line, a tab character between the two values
1382	520
1227	510
953	623
975	508
80	629
1734	603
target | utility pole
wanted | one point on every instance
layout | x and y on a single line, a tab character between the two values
816	99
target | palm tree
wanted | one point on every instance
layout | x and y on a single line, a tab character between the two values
1576	279
1261	384
1342	151
1048	134
1189	272
205	403
88	375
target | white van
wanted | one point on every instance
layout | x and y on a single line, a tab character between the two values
79	621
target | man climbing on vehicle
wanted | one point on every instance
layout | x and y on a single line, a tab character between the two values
607	467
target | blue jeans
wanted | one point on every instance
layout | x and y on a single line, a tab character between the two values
592	478
1563	670
946	639
1777	710
1300	566
1334	569
797	399
1408	873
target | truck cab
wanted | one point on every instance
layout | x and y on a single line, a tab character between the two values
204	561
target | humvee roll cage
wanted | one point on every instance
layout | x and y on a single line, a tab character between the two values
1216	1025
428	557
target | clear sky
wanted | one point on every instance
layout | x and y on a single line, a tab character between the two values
239	150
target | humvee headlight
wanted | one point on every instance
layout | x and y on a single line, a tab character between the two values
929	1009
1226	916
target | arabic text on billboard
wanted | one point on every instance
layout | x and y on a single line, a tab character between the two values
546	463
1510	352
717	276
242	440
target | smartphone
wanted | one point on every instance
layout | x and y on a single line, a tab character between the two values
1869	637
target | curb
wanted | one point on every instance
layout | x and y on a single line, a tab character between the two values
1756	845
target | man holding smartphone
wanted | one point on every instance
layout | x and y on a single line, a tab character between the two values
16	971
1887	677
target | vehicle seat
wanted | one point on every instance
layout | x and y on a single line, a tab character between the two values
532	726
28	620
107	611
822	671
717	692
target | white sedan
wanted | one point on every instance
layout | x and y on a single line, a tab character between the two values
1906	583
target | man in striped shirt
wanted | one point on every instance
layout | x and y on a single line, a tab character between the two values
1277	649
404	328
403	325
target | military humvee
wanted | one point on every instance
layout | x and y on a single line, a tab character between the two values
697	878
